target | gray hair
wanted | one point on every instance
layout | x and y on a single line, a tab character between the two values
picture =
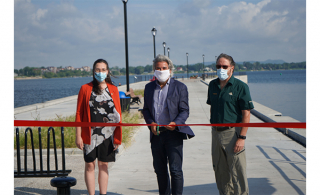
162	58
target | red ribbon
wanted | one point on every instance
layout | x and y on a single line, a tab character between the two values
21	123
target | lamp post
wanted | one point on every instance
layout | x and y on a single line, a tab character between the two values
126	41
168	52
164	48
154	32
187	66
203	63
216	63
204	76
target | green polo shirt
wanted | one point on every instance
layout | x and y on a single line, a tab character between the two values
226	104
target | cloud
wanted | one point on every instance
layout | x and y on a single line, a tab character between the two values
76	33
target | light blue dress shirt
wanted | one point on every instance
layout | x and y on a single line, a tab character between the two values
161	111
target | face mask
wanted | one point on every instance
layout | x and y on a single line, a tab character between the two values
101	76
162	76
222	74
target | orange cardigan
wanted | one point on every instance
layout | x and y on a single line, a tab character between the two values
83	111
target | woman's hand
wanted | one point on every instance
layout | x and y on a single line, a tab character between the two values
115	146
79	142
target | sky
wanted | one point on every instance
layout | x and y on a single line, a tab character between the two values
77	32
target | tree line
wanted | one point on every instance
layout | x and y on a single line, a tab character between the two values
35	71
246	66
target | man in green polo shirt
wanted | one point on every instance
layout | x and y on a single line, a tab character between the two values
230	103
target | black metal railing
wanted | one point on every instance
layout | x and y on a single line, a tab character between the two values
40	173
139	78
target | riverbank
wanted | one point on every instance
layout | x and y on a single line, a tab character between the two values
27	78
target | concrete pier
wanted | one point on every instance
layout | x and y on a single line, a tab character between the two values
275	163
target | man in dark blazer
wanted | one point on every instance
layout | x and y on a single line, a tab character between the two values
166	104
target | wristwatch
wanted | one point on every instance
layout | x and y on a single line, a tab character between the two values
242	137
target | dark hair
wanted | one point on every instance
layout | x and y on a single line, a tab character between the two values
95	83
223	55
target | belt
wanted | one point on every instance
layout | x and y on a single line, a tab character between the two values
162	129
222	128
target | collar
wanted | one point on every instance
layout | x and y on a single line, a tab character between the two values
231	80
168	82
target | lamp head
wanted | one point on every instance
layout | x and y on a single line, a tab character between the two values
154	31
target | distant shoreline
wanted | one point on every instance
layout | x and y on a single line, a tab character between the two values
38	77
27	78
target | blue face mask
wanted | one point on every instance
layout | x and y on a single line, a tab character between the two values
101	76
222	74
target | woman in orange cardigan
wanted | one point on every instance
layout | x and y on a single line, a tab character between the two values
98	101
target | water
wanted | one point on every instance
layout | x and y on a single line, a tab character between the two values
283	91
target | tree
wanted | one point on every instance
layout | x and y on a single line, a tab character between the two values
123	71
139	69
148	68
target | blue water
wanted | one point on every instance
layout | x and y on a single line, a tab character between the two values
283	91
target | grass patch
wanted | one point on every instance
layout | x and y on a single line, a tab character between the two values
139	92
128	131
70	132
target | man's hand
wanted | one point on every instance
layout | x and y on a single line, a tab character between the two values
171	128
154	129
239	145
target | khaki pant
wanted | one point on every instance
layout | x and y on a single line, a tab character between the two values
229	168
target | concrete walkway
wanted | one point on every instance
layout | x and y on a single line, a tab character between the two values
276	164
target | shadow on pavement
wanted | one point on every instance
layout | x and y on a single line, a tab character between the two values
28	191
285	159
260	186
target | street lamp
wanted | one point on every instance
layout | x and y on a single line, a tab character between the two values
216	64
154	32
168	52
203	63
187	66
204	76
126	41
164	48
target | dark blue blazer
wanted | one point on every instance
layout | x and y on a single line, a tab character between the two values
178	106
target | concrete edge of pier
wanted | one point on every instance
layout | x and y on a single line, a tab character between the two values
44	104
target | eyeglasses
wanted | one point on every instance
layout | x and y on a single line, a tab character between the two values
222	66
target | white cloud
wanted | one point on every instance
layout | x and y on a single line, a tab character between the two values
75	33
